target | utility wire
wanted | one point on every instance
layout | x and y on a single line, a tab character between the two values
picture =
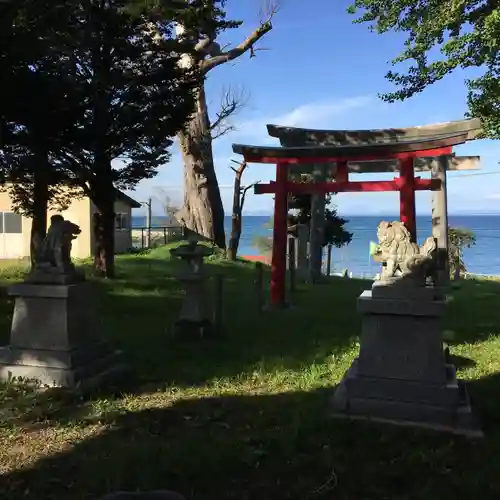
495	172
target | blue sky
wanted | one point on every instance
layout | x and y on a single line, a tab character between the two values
323	71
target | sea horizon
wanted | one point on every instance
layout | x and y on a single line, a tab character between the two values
482	258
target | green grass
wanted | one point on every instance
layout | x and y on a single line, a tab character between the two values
246	416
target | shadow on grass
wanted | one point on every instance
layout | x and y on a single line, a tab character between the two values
283	446
140	307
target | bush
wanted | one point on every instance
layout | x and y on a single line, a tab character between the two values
458	239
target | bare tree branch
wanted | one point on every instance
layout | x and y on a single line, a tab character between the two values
231	103
247	45
169	206
244	191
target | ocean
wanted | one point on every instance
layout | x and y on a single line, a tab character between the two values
482	258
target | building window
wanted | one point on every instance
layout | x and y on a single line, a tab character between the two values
122	222
11	223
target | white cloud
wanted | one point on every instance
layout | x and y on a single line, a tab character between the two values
312	115
493	196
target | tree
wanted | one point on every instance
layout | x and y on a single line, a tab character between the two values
458	239
134	98
465	32
203	211
239	195
34	110
265	243
334	232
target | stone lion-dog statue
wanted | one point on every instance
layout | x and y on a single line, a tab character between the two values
401	257
54	255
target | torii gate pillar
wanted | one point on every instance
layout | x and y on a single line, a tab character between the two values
440	217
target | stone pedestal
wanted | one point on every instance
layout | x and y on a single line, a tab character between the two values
55	336
193	320
401	375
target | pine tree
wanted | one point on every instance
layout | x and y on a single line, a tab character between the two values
111	69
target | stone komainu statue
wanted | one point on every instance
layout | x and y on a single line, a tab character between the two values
402	257
54	255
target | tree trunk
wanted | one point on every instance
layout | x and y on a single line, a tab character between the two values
458	266
234	240
40	204
203	211
104	248
104	223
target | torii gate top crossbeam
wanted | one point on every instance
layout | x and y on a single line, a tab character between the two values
297	136
434	146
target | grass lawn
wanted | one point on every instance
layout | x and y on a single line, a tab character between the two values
247	416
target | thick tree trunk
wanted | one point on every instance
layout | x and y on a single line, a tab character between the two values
99	253
104	249
104	224
40	205
203	211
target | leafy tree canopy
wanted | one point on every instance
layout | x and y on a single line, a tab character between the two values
334	232
88	82
34	103
459	238
443	35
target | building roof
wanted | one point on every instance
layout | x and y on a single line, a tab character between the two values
120	195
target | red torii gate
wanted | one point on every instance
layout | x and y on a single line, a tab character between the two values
403	151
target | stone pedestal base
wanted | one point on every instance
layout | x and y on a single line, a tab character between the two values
440	407
401	375
54	338
193	321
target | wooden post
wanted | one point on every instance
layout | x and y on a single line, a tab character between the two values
278	262
291	266
164	235
329	260
142	237
440	217
218	302
148	220
407	197
259	290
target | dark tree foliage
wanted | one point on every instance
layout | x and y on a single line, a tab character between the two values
334	232
34	110
110	96
135	97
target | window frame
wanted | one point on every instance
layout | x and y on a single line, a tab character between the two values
2	222
119	218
